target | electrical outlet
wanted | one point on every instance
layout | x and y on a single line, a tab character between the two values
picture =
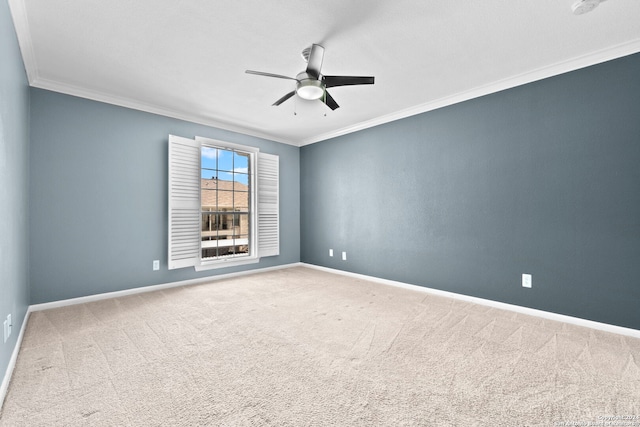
344	256
5	333
10	322
526	280
330	252
156	264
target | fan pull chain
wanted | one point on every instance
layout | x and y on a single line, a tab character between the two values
324	98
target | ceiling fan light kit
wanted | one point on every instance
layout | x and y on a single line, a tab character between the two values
311	84
309	88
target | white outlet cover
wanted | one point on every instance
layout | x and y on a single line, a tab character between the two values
526	280
156	264
344	256
330	252
5	331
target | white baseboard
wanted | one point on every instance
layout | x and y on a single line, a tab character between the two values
501	305
4	387
117	294
511	307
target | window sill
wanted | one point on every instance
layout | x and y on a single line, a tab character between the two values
223	263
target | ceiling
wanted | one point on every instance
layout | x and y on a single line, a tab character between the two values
187	58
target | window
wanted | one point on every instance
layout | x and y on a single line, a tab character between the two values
225	194
223	204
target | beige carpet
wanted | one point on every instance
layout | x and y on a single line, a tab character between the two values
300	347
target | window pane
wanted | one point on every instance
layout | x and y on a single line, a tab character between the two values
208	174
209	253
242	246
240	162
242	227
225	160
206	225
242	179
225	203
225	176
225	200
208	199
241	201
227	225
208	157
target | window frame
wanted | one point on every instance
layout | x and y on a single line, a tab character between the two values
253	256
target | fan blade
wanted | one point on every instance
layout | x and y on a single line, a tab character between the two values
328	99
260	73
314	64
284	98
333	81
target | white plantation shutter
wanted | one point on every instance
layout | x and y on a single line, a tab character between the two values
268	222
184	202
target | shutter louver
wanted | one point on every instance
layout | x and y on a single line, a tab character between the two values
184	202
268	220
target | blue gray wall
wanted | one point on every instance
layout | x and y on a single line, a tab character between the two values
541	179
14	175
98	195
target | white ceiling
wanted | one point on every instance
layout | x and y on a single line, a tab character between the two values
186	58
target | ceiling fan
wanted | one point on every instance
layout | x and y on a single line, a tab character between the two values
311	84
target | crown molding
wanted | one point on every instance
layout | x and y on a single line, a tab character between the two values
624	49
150	108
21	23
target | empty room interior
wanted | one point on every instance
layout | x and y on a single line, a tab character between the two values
321	213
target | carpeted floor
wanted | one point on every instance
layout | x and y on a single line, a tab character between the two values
301	347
